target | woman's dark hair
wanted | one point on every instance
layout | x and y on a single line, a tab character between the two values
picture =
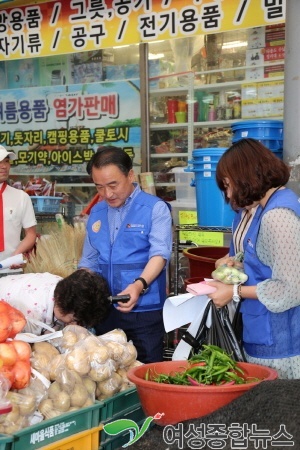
84	294
252	170
110	155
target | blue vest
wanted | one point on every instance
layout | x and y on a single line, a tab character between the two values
236	221
124	260
266	334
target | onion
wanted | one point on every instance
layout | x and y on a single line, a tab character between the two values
23	350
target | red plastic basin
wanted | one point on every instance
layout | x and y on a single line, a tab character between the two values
202	259
178	403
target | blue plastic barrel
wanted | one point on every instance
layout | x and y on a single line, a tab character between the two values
268	132
212	210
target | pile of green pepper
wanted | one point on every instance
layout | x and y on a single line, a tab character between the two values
212	366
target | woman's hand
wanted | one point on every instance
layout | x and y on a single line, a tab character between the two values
222	295
225	261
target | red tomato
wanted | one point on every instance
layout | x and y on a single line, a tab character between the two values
22	372
8	354
23	350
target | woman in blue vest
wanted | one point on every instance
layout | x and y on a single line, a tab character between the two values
129	242
251	175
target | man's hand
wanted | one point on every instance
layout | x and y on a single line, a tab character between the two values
134	291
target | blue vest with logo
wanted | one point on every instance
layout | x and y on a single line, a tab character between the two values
124	260
236	221
266	334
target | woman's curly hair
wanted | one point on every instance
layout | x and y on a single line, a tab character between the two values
85	294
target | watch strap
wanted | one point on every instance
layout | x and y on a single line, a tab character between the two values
236	295
145	284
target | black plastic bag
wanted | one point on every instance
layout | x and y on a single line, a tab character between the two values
220	333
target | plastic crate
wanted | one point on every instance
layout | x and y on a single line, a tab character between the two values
120	403
86	440
52	430
46	204
6	442
124	405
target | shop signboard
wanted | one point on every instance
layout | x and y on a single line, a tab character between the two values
57	128
61	27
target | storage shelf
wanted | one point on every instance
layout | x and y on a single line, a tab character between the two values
196	227
169	155
168	126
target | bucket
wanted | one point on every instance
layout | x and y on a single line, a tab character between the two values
268	132
212	210
202	260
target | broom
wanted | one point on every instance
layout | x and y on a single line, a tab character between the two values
59	252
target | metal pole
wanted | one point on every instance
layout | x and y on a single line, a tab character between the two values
144	102
291	144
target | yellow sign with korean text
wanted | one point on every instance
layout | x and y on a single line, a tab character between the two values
61	27
199	237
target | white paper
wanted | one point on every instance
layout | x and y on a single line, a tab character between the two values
17	259
176	300
183	349
177	315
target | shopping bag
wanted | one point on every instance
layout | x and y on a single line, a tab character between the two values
220	333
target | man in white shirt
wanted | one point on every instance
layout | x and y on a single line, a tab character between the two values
16	214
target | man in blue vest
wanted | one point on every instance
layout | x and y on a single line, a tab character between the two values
129	242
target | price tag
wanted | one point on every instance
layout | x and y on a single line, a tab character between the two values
210	238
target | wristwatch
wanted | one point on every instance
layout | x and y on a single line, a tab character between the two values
145	284
236	293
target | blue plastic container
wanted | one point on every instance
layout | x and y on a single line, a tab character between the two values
212	210
268	132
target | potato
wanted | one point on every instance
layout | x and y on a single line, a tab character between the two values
116	335
79	395
98	355
116	350
129	355
45	347
89	402
40	360
25	403
71	335
13	427
45	406
90	385
54	390
56	364
74	408
100	372
135	363
14	415
110	386
91	343
62	402
125	386
69	339
77	360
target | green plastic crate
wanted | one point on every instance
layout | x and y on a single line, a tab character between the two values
58	428
122	402
6	442
124	405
